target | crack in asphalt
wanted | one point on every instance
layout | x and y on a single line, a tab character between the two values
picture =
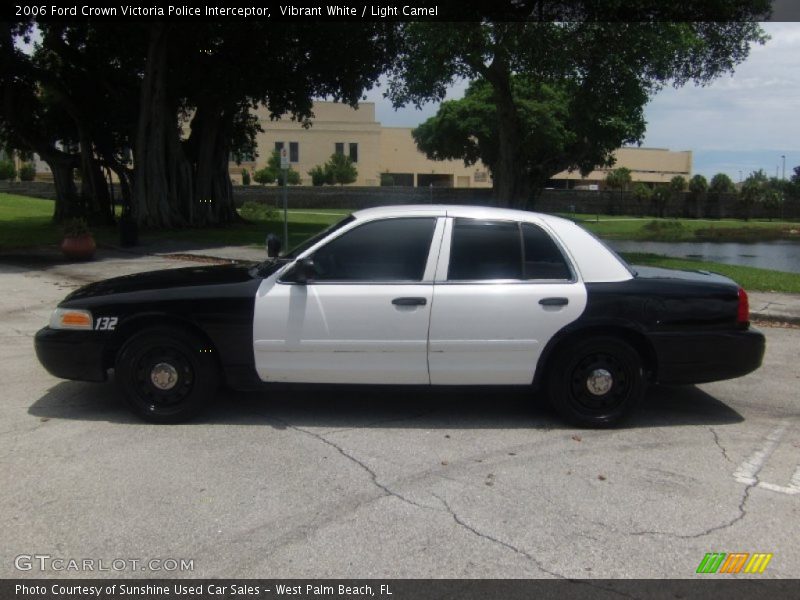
373	476
719	445
742	514
459	521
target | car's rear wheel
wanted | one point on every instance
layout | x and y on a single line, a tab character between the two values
596	382
167	375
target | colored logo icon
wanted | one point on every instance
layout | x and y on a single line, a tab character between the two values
736	562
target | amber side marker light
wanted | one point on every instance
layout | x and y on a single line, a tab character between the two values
70	318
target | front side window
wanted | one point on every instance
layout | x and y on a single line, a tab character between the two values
339	147
354	152
485	250
294	152
386	250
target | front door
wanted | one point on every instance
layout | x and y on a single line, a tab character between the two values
362	317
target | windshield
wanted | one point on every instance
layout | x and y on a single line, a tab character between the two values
298	250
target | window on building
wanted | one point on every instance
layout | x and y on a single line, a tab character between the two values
278	147
339	147
354	152
294	152
387	250
485	250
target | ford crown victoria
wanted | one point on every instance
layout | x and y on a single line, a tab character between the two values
433	295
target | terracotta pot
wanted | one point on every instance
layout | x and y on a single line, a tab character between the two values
81	247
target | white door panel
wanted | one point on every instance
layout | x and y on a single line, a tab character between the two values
494	333
342	333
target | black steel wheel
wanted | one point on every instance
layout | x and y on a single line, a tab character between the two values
167	375
596	382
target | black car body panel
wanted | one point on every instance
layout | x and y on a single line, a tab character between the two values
216	301
683	322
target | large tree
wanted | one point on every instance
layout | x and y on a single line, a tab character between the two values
576	68
165	105
200	86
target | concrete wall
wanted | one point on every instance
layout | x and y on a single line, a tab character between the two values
562	201
35	189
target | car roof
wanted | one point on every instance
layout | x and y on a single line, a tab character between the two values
441	210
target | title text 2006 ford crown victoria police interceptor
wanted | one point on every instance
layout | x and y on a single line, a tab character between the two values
439	295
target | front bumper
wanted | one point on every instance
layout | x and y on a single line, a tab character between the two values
700	357
71	354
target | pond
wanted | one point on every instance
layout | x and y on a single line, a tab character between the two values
778	256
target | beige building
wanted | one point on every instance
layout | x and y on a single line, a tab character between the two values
647	165
389	154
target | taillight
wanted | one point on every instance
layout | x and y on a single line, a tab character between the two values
743	314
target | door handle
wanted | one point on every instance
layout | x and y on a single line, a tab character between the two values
554	301
410	301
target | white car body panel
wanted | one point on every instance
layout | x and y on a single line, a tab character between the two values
482	332
342	333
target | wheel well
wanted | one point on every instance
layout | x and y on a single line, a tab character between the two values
138	323
637	340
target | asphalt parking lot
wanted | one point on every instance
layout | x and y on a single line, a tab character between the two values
377	482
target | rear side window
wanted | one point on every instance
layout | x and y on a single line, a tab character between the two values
543	259
485	250
387	250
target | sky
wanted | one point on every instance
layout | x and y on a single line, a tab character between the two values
737	124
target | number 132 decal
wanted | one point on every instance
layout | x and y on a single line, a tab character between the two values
105	323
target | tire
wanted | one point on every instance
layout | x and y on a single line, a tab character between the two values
165	376
596	382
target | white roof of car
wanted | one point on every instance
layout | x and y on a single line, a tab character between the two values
469	212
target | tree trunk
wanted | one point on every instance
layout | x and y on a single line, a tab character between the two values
209	148
62	166
94	188
162	191
512	184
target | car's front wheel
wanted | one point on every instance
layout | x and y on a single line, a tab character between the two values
167	375
596	382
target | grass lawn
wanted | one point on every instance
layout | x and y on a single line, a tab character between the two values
26	222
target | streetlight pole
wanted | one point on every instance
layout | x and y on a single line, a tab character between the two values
783	173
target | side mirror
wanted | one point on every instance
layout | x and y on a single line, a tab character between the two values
273	246
303	271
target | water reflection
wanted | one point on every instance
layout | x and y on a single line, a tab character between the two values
780	255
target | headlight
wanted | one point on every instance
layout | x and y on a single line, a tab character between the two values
71	318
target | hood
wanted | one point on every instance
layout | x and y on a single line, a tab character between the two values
166	279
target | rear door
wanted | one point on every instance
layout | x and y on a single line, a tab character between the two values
364	316
503	289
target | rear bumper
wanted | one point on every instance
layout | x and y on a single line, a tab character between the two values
707	356
71	354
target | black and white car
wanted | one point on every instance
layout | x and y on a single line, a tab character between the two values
439	295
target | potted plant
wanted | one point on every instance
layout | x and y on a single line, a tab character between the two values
78	243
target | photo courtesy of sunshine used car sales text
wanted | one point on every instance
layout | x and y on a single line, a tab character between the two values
203	589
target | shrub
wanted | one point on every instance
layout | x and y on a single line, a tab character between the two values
27	172
320	176
245	177
264	176
341	169
256	211
7	170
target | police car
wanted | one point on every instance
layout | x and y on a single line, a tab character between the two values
409	295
